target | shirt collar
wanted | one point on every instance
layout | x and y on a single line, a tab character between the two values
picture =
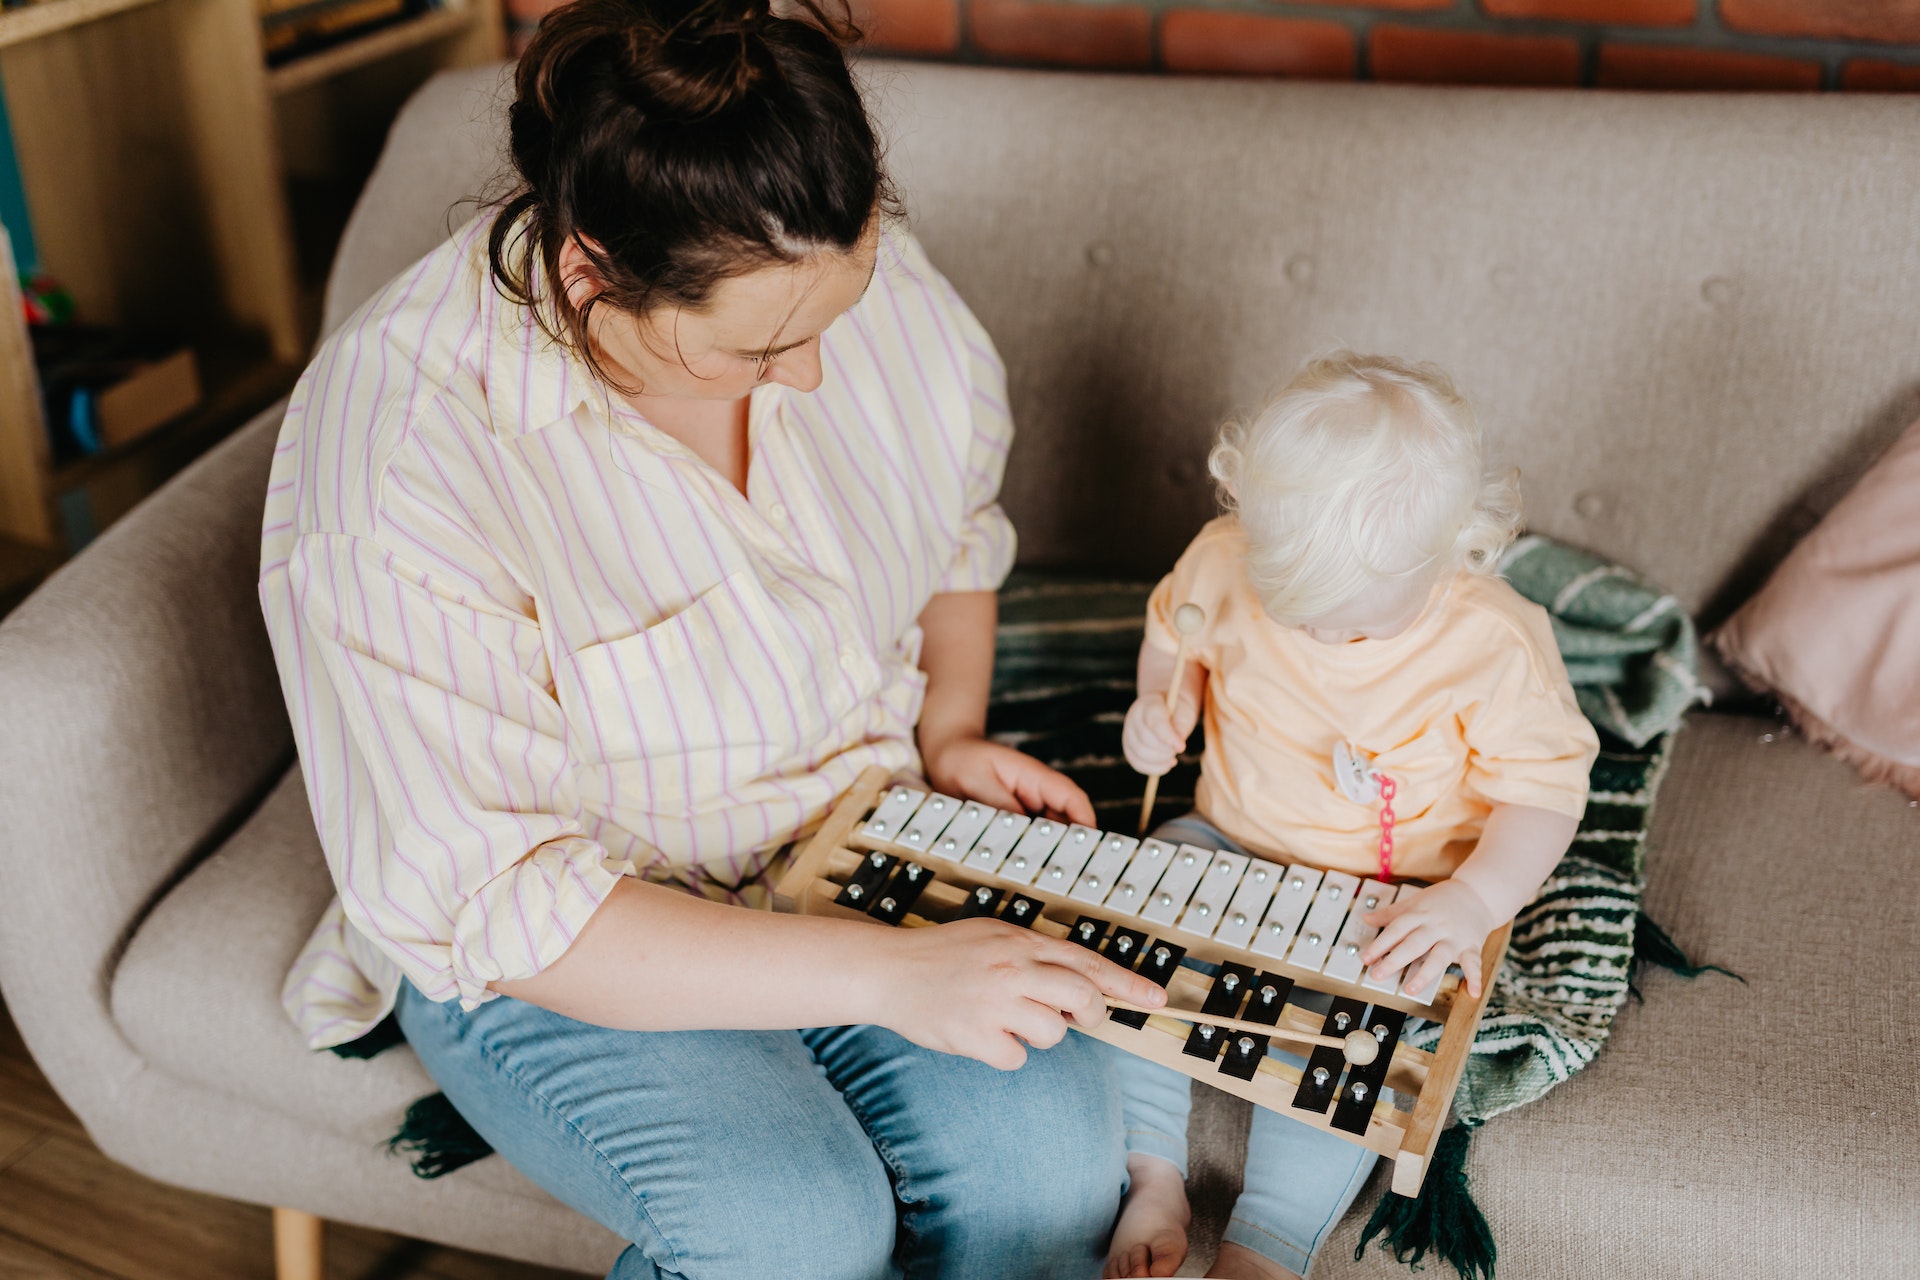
533	380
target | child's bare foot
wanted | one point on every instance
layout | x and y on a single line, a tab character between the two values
1237	1263
1151	1236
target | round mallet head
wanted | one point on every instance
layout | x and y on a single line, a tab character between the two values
1189	618
1360	1048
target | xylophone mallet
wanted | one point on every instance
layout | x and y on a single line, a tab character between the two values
1187	620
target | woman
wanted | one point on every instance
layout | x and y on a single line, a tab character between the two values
605	547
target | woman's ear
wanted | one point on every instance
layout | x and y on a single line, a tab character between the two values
578	276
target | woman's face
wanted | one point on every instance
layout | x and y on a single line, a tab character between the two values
763	326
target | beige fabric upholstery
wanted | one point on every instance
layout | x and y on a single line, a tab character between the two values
1689	318
1645	296
142	719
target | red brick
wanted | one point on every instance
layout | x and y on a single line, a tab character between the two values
1639	66
1877	75
1623	13
1206	40
909	26
1890	20
1424	56
1075	35
1403	6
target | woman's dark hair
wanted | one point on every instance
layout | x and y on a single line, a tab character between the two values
680	142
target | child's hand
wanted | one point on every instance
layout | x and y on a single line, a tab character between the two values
1153	739
976	769
1447	923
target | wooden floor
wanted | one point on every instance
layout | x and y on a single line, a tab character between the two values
69	1213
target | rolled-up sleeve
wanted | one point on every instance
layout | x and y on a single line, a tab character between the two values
1530	743
435	759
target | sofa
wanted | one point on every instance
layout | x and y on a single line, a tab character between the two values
1691	320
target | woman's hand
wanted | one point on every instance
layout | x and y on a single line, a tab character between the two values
1446	923
1153	739
987	990
976	769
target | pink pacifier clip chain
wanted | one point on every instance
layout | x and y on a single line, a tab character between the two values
1386	828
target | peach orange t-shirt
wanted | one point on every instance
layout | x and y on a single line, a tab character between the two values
1467	708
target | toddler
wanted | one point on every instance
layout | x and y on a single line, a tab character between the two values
1352	614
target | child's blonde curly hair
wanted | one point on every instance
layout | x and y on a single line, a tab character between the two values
1362	469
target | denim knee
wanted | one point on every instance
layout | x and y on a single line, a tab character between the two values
1061	1142
832	1217
840	1228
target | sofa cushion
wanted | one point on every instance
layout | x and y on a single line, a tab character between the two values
198	991
1835	633
1765	1126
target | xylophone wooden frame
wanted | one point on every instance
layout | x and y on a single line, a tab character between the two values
1407	1138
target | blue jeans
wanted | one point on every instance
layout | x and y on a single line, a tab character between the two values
1299	1181
817	1154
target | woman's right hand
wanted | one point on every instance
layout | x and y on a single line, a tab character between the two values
1151	737
985	989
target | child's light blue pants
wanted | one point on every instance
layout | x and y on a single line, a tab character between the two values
1299	1181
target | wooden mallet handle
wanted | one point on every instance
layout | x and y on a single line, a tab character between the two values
1357	1046
1187	620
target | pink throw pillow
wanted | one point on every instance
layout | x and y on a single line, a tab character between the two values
1835	633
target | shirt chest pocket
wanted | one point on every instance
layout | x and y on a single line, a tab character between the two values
711	680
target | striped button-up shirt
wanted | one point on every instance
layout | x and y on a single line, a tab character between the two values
531	644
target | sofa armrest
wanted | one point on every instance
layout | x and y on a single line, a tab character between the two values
140	720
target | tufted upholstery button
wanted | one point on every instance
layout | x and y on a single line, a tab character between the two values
1591	505
1719	292
1299	269
1100	254
1502	277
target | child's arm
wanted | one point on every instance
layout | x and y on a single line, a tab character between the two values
1448	922
1151	738
957	655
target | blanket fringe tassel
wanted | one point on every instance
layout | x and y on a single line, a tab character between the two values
1653	945
437	1139
1442	1219
376	1040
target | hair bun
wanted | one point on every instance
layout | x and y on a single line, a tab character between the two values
702	60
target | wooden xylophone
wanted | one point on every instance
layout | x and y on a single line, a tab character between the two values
901	856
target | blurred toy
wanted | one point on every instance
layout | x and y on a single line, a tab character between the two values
45	300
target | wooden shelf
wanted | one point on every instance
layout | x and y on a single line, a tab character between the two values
153	145
234	394
30	22
436	24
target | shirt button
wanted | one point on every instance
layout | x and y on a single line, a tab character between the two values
849	659
778	512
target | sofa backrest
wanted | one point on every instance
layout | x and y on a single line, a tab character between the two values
1690	320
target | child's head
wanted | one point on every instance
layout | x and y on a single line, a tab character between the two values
1359	486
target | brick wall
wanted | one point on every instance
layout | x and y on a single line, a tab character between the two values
1867	45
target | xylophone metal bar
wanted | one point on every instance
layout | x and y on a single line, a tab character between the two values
1186	988
1162	1035
839	847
